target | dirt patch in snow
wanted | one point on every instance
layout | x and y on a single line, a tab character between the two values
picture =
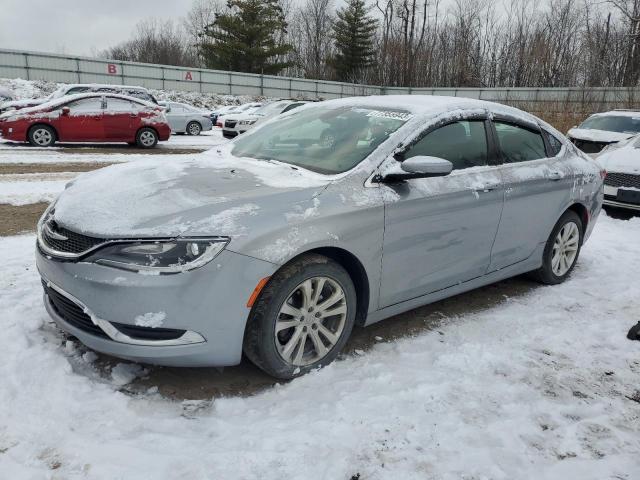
19	219
101	149
19	168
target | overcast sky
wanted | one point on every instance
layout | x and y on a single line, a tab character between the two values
78	27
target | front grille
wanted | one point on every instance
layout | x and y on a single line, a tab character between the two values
72	313
148	333
589	147
75	242
615	179
230	123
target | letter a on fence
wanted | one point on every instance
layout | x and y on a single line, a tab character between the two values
188	76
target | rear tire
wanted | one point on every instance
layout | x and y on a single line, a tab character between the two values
302	319
42	136
146	138
562	250
194	128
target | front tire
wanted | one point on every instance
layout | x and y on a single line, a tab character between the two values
302	319
194	128
146	138
42	136
562	250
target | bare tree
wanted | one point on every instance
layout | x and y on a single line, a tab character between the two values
154	41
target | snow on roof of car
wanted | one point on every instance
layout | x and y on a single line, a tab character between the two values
70	98
80	96
103	85
618	113
427	104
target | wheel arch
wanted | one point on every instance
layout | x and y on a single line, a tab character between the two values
39	124
150	127
356	271
582	212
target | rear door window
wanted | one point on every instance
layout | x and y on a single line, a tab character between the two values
463	143
519	144
86	105
119	105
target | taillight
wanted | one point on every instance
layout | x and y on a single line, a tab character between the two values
603	174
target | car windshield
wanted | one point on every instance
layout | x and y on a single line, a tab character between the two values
323	139
613	123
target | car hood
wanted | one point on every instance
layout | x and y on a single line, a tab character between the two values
625	159
212	194
242	116
603	136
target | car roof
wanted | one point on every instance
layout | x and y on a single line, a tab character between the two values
618	113
106	85
425	104
80	96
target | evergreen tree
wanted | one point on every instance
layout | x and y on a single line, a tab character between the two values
354	32
246	38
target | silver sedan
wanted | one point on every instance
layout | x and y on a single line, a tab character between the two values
339	213
187	119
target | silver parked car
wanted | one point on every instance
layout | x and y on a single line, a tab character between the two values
187	119
277	243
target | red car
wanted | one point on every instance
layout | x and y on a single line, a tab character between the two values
93	117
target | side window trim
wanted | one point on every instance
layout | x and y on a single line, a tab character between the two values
399	155
534	128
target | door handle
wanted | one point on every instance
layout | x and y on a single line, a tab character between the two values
555	176
487	187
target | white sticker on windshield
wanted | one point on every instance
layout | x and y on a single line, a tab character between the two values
390	114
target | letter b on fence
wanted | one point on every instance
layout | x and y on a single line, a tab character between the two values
112	69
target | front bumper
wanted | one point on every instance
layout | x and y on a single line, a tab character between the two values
209	303
229	133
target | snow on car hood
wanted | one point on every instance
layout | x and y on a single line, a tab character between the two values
598	135
211	194
624	158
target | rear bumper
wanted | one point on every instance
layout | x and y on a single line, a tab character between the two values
208	303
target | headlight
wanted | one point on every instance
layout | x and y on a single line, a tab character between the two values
160	256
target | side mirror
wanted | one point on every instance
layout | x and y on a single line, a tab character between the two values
66	110
421	167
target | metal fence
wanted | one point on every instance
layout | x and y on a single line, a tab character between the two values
73	69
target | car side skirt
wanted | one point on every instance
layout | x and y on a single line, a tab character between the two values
532	263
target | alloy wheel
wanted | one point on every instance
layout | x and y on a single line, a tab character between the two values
194	129
311	321
565	249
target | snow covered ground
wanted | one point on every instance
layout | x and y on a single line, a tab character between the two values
32	188
203	141
542	386
21	189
